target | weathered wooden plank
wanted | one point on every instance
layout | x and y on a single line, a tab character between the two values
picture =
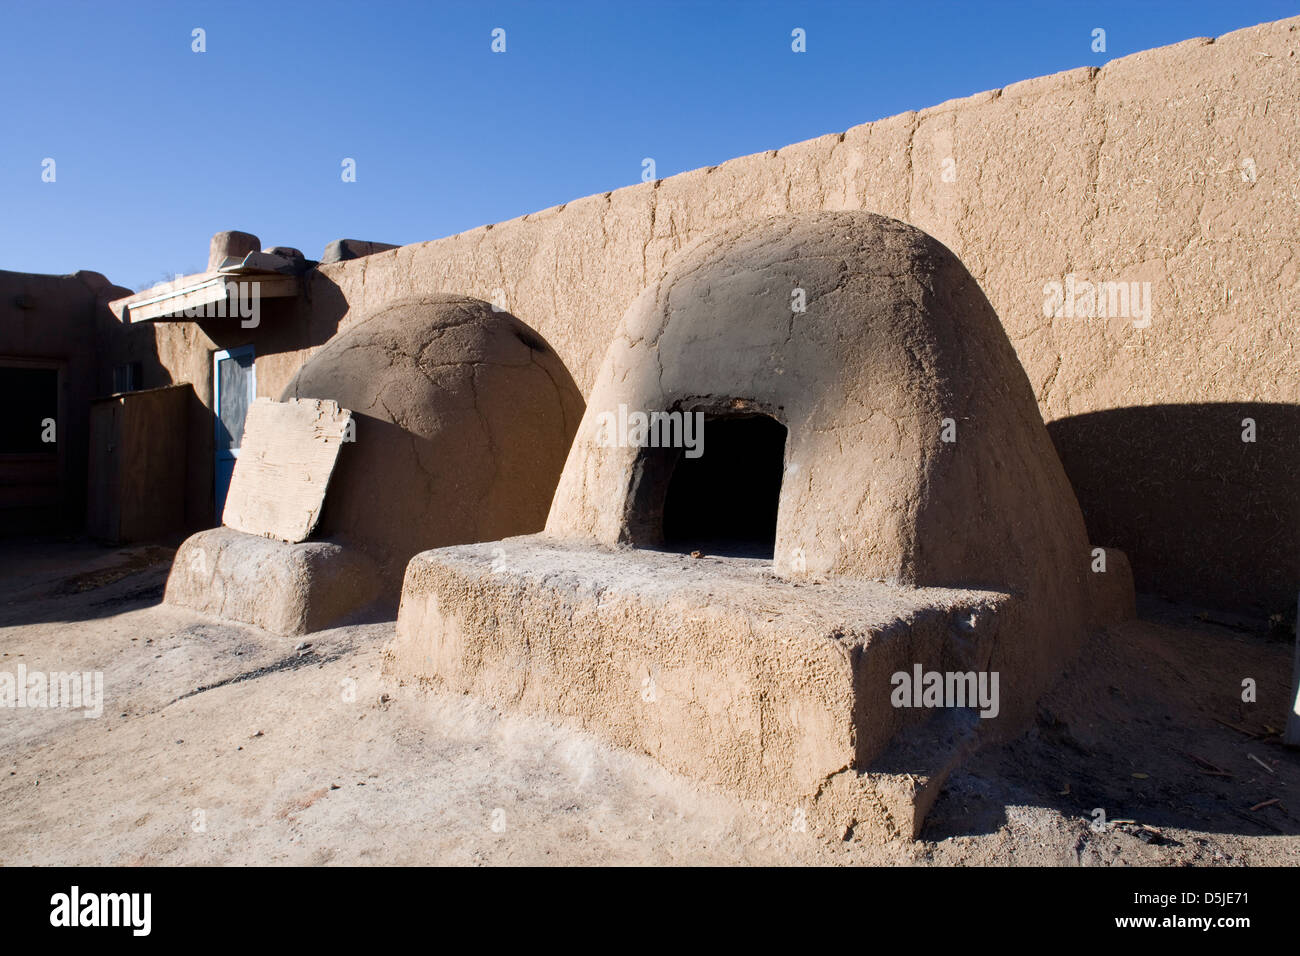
284	466
174	299
1291	736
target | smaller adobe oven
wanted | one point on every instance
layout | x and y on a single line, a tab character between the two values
458	420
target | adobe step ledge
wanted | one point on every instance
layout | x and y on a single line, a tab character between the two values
779	690
287	589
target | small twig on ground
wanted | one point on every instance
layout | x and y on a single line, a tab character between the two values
1262	764
1242	730
1266	803
1207	767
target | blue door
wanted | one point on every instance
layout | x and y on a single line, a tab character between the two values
234	384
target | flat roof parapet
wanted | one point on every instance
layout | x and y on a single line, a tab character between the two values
340	250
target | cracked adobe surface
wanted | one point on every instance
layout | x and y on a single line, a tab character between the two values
464	416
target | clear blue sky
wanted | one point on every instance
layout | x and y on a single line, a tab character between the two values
157	147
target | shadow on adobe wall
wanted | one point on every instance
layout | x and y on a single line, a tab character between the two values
1204	516
288	325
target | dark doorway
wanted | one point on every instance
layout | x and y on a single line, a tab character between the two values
725	501
30	399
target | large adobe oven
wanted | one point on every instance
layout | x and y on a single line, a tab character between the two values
875	491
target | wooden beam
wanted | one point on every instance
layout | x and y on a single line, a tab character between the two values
1291	736
170	303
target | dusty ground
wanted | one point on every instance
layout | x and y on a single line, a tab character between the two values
224	744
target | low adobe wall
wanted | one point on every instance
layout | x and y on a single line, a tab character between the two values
1132	172
1176	167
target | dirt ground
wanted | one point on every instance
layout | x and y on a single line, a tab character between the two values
224	744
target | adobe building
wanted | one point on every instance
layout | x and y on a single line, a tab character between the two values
1171	169
1107	251
57	352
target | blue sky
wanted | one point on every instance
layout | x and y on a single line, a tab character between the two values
156	147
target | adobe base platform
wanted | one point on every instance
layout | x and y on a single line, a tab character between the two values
283	588
715	667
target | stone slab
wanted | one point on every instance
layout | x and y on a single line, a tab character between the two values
288	454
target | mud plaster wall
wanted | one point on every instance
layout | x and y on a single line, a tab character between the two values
1178	166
